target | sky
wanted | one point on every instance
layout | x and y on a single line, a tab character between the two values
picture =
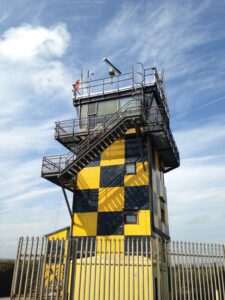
43	46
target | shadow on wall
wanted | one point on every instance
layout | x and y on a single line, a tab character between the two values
6	274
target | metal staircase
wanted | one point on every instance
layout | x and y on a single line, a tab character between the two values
62	170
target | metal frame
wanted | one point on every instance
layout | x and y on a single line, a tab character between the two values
132	114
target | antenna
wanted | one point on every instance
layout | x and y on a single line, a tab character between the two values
154	61
112	69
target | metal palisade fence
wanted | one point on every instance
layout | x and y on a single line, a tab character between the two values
116	269
197	271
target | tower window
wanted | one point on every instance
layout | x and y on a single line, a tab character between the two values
163	216
130	217
130	168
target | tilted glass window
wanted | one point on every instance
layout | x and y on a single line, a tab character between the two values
107	107
92	108
83	116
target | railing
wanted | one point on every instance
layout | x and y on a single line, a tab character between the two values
83	268
40	269
121	82
158	120
55	164
97	268
155	117
115	83
75	126
197	271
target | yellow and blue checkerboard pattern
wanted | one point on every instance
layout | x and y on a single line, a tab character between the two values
104	191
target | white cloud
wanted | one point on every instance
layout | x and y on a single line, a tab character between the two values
208	138
196	192
27	42
35	86
177	37
164	30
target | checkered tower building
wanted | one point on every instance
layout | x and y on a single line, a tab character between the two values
119	146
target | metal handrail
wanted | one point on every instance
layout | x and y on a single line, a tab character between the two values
101	128
108	81
162	119
153	116
120	82
60	162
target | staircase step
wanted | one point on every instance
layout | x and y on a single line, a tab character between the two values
97	145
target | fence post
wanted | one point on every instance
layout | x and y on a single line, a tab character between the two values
217	295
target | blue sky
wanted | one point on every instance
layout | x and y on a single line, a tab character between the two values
43	46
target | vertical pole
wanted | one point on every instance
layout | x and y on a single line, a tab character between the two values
60	268
100	267
217	269
85	267
179	269
33	268
191	271
67	268
171	273
54	269
16	268
90	268
104	267
222	261
175	270
183	271
213	263
23	265
95	263
133	282
42	271
187	270
114	270
147	264
109	269
158	269
138	274
206	269
199	271
119	252
210	271
143	268
203	271
49	268
124	274
195	268
80	275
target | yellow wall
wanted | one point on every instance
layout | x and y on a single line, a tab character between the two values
59	235
113	278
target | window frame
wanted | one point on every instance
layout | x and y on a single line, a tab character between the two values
130	213
130	173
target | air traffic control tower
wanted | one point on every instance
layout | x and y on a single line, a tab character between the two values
119	148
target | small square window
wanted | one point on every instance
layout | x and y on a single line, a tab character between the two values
130	218
130	168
